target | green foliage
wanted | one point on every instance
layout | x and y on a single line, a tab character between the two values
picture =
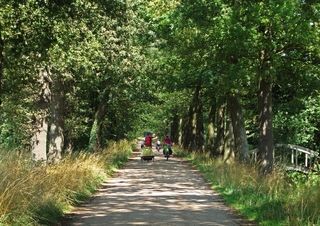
143	59
90	47
179	152
48	213
299	124
125	67
279	199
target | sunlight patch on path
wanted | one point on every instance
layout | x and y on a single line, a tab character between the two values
155	193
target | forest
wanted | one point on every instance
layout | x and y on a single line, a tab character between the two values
222	77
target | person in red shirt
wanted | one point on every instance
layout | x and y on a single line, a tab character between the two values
148	141
167	141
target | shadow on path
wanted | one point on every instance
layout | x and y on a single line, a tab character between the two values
155	193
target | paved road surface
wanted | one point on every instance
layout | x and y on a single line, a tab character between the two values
155	193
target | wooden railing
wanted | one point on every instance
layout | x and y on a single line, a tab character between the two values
294	157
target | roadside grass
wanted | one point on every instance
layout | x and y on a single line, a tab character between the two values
277	199
40	195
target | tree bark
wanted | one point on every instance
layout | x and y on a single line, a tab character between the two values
1	66
229	143
239	131
193	137
187	131
96	138
199	133
175	128
265	148
181	126
56	135
40	119
219	140
211	129
39	139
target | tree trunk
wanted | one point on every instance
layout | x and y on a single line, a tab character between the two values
239	132
219	140
199	133
55	136
39	139
211	129
229	143
265	148
175	128
186	131
40	121
181	126
193	138
1	66
96	142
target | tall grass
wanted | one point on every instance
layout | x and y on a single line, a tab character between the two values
276	199
32	195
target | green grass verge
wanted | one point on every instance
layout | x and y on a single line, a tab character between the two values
272	200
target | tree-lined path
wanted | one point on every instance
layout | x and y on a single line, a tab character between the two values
155	193
227	80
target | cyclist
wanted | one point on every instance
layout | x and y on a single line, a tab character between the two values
167	141
158	144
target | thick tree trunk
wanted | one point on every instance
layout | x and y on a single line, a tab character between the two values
193	137
1	66
175	128
39	139
40	122
55	135
229	143
211	129
199	133
238	125
187	131
265	148
220	125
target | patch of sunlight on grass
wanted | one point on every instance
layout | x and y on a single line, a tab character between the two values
269	200
32	194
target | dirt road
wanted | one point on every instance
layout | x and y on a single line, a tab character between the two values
158	192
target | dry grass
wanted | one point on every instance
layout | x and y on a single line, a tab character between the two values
270	200
27	191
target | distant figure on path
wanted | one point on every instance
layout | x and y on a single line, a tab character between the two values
148	140
167	141
158	144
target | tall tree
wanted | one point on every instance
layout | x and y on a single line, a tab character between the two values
238	125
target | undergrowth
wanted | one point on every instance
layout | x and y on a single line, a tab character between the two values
280	198
40	195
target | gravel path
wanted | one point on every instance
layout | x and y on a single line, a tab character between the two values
158	192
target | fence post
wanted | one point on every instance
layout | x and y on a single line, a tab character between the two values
306	160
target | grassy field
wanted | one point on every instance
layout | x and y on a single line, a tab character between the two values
279	199
40	195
